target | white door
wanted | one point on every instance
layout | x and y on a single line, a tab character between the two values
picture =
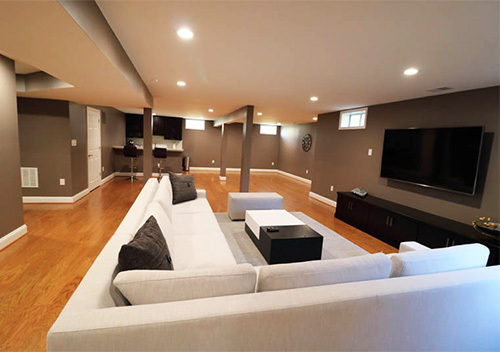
94	147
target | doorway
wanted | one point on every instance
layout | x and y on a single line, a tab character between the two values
94	147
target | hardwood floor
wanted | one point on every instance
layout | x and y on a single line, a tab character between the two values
40	271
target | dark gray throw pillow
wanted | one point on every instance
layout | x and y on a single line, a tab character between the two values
148	250
183	187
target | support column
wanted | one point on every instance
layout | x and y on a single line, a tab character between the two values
11	201
147	157
223	150
246	150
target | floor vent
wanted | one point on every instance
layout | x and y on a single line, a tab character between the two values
29	177
439	89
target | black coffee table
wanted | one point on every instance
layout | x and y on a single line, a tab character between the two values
292	243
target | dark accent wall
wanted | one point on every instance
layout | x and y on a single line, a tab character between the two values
11	206
341	157
45	143
292	158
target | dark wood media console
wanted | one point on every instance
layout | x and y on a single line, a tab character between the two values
395	223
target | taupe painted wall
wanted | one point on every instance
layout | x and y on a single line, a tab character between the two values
292	158
46	128
78	130
203	146
112	133
44	140
341	157
11	206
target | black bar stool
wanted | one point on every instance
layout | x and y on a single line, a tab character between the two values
131	151
160	153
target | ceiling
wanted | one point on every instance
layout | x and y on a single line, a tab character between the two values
274	55
41	34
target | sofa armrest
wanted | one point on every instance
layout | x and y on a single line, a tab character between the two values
411	246
201	193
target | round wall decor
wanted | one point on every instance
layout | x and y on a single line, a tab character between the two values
307	142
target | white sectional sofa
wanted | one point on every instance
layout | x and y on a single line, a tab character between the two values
455	310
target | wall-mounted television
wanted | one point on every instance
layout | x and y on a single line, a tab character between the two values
444	158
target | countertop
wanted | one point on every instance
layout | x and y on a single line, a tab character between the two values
120	147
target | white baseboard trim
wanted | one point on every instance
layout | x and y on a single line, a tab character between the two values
222	178
235	169
50	199
12	236
108	178
323	199
202	168
80	195
299	178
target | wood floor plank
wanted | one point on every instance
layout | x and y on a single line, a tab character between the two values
40	271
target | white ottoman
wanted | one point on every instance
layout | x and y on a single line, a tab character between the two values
239	203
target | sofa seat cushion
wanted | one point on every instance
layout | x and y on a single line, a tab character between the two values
323	272
467	256
202	251
157	286
198	205
195	224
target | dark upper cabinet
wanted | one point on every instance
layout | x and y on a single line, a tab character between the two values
134	126
173	128
158	125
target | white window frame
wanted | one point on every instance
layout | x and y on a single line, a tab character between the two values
271	130
350	112
195	124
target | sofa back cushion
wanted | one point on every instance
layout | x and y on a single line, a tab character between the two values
155	209
467	256
157	286
147	250
164	196
183	188
323	272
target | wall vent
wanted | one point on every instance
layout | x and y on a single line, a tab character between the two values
439	89
29	177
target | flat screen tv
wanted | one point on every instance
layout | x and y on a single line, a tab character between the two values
444	158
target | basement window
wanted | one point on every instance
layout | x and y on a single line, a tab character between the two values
195	125
268	129
354	119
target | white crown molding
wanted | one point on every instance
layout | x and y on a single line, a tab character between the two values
323	199
12	236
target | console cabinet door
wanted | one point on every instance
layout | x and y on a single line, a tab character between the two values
434	237
391	228
354	212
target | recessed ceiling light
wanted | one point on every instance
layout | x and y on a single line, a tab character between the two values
185	33
314	98
210	110
181	83
259	113
315	118
411	71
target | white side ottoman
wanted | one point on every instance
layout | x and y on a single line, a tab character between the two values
239	203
